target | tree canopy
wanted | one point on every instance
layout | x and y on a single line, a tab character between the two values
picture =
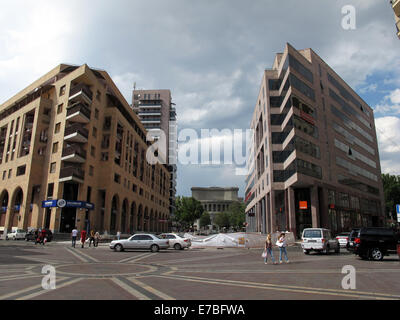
188	210
391	189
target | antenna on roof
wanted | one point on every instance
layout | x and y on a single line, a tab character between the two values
134	86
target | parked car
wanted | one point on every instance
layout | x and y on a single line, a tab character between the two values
176	241
16	234
375	243
320	240
352	237
32	235
343	239
140	241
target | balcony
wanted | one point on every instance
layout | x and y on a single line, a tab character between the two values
149	113
73	154
76	133
72	174
81	93
396	7
151	120
78	113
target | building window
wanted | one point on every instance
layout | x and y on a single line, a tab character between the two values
94	132
60	108
21	170
104	156
57	128
62	90
9	173
117	178
96	113
92	151
4	174
55	147
52	167
98	95
91	170
134	187
50	190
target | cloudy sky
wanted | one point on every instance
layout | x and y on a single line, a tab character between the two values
211	54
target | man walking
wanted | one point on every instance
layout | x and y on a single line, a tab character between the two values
91	238
74	234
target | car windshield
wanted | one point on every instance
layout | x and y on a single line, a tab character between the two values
312	234
159	236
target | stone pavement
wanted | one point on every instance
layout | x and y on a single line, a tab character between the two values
194	274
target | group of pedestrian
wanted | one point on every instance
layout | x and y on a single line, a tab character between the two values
40	236
94	237
281	243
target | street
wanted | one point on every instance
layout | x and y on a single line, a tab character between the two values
194	274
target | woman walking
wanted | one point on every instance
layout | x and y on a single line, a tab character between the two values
282	244
268	250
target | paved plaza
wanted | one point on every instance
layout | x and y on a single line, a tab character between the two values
194	274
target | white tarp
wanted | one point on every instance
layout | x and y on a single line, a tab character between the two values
236	240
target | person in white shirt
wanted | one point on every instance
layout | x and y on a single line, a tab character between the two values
118	235
74	234
282	244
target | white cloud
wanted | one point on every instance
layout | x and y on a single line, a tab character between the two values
388	134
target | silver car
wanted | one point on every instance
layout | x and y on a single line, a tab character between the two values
140	241
176	241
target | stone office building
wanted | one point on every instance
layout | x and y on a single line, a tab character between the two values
216	199
315	159
73	152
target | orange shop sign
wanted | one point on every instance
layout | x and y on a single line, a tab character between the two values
303	205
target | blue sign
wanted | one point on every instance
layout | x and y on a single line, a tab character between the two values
398	208
61	203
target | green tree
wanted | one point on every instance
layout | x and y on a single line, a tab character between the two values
205	220
222	219
237	215
188	210
391	189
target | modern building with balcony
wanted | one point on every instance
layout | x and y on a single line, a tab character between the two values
72	153
314	161
396	8
157	113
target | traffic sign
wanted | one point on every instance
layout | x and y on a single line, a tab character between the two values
398	212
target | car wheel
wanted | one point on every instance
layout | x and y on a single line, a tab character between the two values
306	251
154	248
326	251
118	248
376	254
177	246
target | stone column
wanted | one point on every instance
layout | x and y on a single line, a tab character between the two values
291	211
315	207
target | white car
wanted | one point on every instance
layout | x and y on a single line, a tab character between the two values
140	241
343	239
320	240
176	241
17	234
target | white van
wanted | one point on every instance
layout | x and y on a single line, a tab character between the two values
320	240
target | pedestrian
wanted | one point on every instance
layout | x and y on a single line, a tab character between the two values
282	244
74	234
118	235
96	239
268	250
43	237
83	237
91	238
37	236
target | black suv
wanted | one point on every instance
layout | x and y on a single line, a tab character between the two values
375	243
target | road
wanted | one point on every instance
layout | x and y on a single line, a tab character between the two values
194	274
